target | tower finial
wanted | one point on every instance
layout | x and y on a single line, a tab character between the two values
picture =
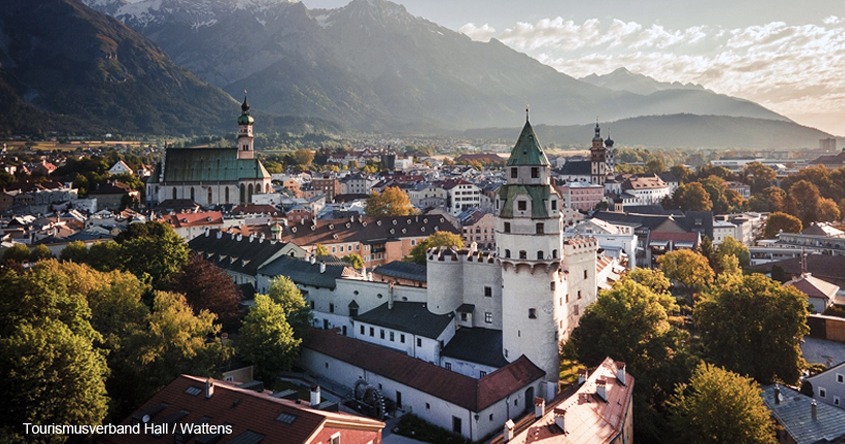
526	113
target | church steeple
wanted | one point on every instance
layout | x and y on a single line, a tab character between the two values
245	136
527	150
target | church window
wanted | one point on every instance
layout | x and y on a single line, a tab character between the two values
522	205
174	193
488	291
535	172
532	313
513	173
540	228
488	317
540	255
243	194
249	193
227	194
209	196
192	194
523	254
507	226
507	253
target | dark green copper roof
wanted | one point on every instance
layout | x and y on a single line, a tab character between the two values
527	150
209	164
538	194
245	119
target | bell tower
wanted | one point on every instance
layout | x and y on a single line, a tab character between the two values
529	248
598	159
246	148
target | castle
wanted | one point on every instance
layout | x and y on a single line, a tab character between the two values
475	346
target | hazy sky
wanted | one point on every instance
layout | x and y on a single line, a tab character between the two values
786	55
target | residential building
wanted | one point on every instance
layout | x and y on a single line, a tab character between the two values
478	226
461	195
111	195
191	225
828	387
801	418
644	190
820	293
328	185
223	411
581	195
744	190
617	240
120	167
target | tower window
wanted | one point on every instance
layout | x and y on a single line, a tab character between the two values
552	286
554	204
523	254
513	173
507	253
585	274
507	227
540	255
540	228
488	291
535	172
579	294
488	317
522	205
532	313
554	253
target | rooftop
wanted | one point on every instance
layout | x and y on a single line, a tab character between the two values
410	317
478	345
403	270
795	415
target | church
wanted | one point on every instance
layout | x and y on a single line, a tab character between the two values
211	176
598	169
479	344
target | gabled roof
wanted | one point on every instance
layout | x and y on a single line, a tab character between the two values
250	413
479	345
527	150
209	164
794	413
194	219
461	390
410	317
239	256
304	272
575	168
366	229
403	270
813	286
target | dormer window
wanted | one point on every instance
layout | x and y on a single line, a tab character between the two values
522	205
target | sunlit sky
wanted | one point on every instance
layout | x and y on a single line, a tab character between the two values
786	55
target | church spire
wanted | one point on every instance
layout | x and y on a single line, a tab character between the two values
527	150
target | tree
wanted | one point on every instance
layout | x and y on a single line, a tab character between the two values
287	295
106	256
655	165
18	253
321	250
40	252
733	247
392	202
654	280
804	200
692	197
207	287
706	249
687	267
267	340
752	325
303	157
438	239
354	260
720	406
758	176
682	173
153	249
771	199
717	189
777	222
75	251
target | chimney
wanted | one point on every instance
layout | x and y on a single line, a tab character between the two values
322	267
560	415
390	297
508	430
539	407
313	258
814	410
315	395
219	235
777	394
209	388
620	372
251	237
601	389
582	376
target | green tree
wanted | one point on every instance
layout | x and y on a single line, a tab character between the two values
153	249
392	202
354	260
682	173
303	157
720	406
75	251
655	165
321	250
717	189
777	222
687	267
438	239
758	176
706	249
18	253
106	256
752	325
692	197
40	252
287	295
771	199
653	279
267	340
733	247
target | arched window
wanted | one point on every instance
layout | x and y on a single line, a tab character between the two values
554	253
243	194
523	254
540	255
209	195
249	193
174	193
192	194
507	253
227	194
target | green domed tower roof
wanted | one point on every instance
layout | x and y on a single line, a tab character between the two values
245	118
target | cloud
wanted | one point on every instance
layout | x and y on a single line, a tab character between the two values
792	69
481	34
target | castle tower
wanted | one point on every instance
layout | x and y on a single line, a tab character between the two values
529	243
246	148
598	159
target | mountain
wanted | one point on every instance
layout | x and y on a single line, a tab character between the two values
372	65
623	80
681	130
64	66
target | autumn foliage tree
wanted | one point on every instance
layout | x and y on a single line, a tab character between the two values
687	267
438	239
693	197
392	202
207	287
777	222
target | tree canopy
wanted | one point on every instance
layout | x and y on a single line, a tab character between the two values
287	295
777	222
438	239
207	287
153	249
720	406
267	340
752	325
687	267
354	260
392	202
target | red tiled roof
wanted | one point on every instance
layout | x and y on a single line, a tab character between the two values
244	410
256	209
194	219
813	286
674	237
464	391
